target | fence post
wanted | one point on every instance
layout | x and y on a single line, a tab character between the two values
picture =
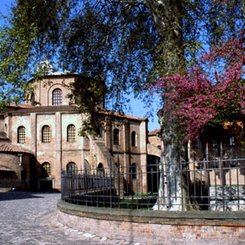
110	182
221	174
221	166
63	185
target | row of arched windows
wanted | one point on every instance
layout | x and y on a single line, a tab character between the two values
46	134
132	170
71	168
116	137
71	135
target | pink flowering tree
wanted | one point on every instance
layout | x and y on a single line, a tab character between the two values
212	91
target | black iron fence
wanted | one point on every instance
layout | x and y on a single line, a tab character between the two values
203	185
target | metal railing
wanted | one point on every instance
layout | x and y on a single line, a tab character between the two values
204	185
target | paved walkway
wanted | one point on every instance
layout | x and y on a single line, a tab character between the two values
31	218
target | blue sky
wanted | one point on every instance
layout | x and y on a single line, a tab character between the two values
138	108
4	4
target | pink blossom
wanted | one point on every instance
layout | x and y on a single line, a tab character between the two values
195	100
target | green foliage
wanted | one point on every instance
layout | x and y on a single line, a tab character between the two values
113	41
31	33
126	44
40	22
89	94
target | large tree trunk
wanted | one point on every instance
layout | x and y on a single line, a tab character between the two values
168	16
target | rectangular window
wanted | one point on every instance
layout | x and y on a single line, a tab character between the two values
21	135
57	97
116	136
71	133
46	134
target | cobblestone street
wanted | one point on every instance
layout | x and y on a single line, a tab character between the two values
30	218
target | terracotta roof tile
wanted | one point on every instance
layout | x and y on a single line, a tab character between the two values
19	106
8	147
69	108
154	132
45	109
120	115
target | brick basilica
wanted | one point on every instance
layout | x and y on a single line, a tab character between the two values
40	138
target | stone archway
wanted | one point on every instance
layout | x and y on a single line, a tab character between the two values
152	173
100	169
153	159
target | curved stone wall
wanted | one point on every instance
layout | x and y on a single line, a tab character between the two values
10	162
156	227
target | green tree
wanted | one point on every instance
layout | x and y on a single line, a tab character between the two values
124	44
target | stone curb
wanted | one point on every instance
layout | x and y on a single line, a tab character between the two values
195	218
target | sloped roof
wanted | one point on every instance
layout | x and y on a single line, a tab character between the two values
120	115
68	108
18	106
8	147
45	109
154	132
57	75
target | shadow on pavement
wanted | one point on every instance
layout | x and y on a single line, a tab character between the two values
13	195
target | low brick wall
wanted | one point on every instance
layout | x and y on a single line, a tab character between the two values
156	227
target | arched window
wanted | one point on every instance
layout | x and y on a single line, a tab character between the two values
57	97
100	169
21	135
32	100
116	136
46	169
46	136
71	168
71	133
133	138
133	171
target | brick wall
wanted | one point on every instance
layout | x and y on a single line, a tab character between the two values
156	227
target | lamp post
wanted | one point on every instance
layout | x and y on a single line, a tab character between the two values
20	155
20	160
